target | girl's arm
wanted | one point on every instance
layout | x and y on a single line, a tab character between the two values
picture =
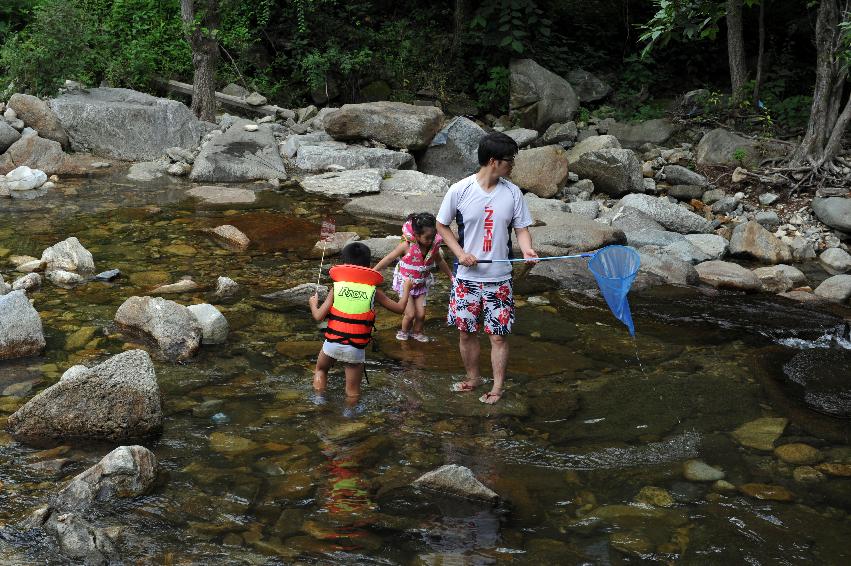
390	304
443	266
399	250
320	312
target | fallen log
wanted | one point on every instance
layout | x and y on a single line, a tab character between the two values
226	99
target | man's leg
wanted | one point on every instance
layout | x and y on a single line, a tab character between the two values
499	361
468	344
498	300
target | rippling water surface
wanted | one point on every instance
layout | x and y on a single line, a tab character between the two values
255	472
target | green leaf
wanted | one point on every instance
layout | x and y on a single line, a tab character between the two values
517	46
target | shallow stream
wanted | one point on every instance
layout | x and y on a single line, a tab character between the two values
256	473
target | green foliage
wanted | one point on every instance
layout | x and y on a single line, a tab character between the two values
740	155
686	20
494	92
349	64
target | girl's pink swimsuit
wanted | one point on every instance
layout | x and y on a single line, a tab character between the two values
415	265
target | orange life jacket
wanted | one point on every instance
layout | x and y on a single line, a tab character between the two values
352	314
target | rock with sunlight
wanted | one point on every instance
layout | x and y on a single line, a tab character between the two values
214	326
413	183
295	297
453	151
344	183
125	124
727	275
457	481
541	171
37	115
752	241
21	333
671	216
237	155
115	401
395	124
337	156
68	255
169	325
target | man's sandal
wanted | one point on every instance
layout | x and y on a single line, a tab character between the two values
464	386
490	398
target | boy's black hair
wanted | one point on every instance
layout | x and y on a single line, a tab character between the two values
496	145
356	253
422	220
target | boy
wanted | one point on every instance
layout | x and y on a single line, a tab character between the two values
350	310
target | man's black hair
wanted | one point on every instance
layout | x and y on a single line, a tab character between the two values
496	145
356	253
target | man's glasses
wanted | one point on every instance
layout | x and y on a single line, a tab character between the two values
507	159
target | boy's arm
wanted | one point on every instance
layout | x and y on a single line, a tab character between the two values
397	251
320	312
395	306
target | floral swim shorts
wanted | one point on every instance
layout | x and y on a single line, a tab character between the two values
472	300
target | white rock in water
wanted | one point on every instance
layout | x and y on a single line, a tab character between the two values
251	127
214	325
23	179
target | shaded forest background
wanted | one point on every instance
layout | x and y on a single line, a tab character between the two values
298	52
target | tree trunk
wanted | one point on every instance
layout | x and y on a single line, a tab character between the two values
830	78
759	61
834	143
736	50
205	56
458	21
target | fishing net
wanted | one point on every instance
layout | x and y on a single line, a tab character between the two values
614	268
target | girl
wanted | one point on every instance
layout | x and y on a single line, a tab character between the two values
420	253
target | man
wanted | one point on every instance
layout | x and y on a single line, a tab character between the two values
486	207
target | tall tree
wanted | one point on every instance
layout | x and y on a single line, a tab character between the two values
201	21
736	50
827	125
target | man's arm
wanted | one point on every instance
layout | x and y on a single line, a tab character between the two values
451	241
524	238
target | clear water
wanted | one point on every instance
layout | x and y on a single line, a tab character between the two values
255	472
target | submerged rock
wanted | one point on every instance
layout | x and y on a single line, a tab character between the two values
116	400
21	332
695	470
171	326
820	377
760	433
456	480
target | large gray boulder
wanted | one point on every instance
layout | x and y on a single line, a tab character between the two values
293	143
835	261
541	171
325	156
566	233
46	155
712	245
394	209
77	539
239	155
669	215
780	278
37	115
114	401
344	183
679	175
8	136
631	219
722	147
125	124
751	240
453	153
587	87
127	471
613	171
169	325
456	480
21	333
836	289
669	269
593	143
296	297
395	124
726	275
834	211
632	136
68	255
538	97
413	183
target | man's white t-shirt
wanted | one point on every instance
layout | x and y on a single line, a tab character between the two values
485	220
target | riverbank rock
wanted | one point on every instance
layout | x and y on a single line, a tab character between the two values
633	136
214	325
169	325
21	332
760	433
125	124
722	147
593	143
8	136
68	255
22	178
37	115
613	171
538	97
587	87
834	211
291	145
230	237
336	156
798	453
712	245
453	153
751	240
673	217
127	471
344	183
456	480
566	233
836	289
226	288
396	208
45	155
558	133
669	269
222	195
413	183
114	401
395	124
77	539
541	171
726	275
835	261
238	155
780	278
679	175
